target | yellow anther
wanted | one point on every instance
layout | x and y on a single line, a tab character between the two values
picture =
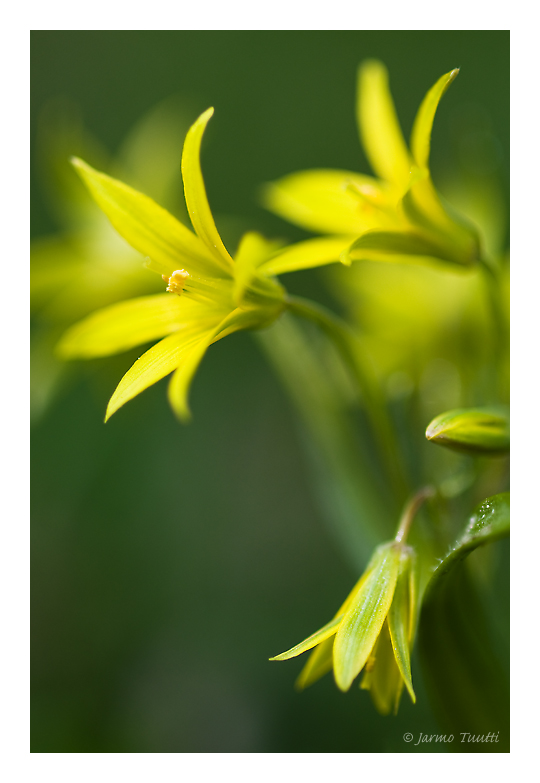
176	281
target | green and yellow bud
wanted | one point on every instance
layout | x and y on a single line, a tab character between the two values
472	431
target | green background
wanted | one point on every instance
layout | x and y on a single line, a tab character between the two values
169	562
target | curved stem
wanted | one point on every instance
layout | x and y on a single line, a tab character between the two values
410	511
347	344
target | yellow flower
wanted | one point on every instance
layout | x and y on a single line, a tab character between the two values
374	628
218	296
398	216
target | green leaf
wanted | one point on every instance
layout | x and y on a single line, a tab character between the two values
472	431
147	227
469	689
489	522
365	616
320	200
125	325
380	131
423	123
195	192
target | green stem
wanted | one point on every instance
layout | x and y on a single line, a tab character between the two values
501	341
347	344
410	512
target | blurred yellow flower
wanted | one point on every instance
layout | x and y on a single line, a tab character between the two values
398	216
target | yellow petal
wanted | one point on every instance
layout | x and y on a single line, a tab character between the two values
399	623
317	665
423	123
147	227
155	364
195	192
181	380
252	251
306	255
320	200
380	131
365	616
384	681
319	636
123	326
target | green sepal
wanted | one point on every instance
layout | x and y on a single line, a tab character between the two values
472	431
365	615
399	620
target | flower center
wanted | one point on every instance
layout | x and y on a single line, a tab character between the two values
176	281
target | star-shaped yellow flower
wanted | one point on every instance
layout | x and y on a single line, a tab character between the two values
218	296
398	216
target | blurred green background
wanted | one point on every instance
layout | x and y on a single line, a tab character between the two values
169	562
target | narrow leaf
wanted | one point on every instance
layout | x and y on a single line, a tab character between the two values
489	522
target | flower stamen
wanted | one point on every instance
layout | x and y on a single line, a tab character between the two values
176	281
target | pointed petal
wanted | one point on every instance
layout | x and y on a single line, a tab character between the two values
252	251
395	245
123	326
195	192
306	255
384	680
317	665
156	363
320	200
319	636
147	227
181	380
423	123
399	622
365	616
380	132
